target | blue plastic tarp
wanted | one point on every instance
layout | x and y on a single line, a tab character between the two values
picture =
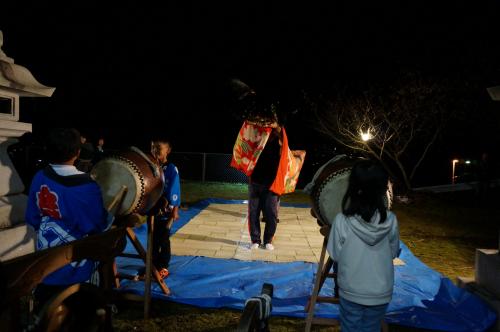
422	297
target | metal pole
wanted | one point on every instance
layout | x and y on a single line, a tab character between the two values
149	262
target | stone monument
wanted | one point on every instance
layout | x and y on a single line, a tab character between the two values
16	238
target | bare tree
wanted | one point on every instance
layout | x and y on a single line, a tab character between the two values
397	124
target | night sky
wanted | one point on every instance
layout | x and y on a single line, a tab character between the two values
132	70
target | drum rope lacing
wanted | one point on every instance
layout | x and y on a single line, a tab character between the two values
155	169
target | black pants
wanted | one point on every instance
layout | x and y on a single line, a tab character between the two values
262	198
263	219
161	243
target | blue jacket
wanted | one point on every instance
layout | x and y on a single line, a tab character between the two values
63	209
172	188
364	252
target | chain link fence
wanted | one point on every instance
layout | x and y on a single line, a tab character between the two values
199	166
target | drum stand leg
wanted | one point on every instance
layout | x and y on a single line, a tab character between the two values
322	273
147	257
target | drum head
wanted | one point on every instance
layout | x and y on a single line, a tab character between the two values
332	193
330	185
111	174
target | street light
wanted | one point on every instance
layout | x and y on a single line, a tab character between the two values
453	163
365	136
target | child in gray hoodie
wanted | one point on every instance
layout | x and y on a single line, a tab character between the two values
364	240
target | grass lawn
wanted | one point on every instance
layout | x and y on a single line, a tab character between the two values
441	230
196	191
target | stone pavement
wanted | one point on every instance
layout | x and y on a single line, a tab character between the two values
221	231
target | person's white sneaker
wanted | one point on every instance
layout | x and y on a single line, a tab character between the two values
254	246
269	246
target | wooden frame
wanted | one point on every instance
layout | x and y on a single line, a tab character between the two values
24	273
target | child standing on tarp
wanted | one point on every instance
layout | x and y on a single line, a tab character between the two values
160	149
364	240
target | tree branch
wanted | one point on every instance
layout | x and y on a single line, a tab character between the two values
431	142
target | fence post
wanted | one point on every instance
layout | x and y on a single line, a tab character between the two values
204	167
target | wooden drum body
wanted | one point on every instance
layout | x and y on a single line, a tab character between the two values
138	172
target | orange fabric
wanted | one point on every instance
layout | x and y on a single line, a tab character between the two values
288	169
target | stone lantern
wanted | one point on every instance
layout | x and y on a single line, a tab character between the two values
16	238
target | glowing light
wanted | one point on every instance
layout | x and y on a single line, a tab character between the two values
453	177
467	162
365	136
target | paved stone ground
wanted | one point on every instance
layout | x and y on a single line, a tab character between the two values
221	231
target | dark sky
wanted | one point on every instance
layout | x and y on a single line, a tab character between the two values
132	69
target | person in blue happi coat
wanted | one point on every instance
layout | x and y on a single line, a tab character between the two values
64	205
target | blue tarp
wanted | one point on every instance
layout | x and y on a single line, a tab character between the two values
422	297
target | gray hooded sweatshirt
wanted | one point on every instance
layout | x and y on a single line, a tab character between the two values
364	253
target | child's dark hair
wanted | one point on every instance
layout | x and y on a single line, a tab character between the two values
63	144
155	145
366	191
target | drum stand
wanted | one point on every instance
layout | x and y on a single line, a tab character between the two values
146	256
322	273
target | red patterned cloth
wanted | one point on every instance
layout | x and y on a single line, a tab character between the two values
248	147
249	144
